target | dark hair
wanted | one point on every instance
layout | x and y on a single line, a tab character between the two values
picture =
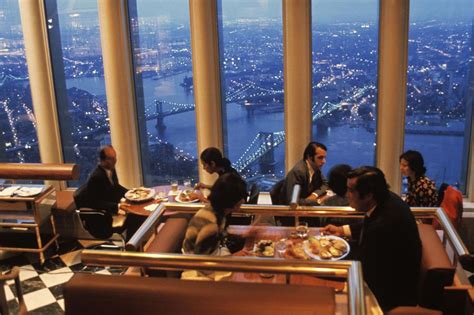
102	154
415	162
228	189
370	180
338	178
213	154
310	150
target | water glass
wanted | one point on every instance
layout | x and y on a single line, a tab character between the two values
302	229
174	185
280	246
187	184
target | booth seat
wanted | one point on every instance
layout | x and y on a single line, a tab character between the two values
437	272
168	239
102	294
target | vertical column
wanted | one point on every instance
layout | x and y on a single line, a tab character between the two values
118	73
392	77
41	81
207	92
297	70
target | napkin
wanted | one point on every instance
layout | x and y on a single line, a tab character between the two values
151	207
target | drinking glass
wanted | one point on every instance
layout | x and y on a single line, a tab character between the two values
187	184
174	185
302	229
280	247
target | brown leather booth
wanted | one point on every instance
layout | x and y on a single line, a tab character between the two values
168	240
437	272
101	294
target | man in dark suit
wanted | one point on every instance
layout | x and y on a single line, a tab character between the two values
307	174
389	245
102	190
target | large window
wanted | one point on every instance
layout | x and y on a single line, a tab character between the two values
251	61
345	41
164	89
18	140
440	83
74	41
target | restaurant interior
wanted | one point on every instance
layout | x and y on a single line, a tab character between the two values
57	258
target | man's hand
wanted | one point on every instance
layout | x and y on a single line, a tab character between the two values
332	230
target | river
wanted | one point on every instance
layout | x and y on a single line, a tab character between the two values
354	146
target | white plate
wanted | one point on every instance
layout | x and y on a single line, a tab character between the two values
135	196
28	191
308	251
258	253
178	199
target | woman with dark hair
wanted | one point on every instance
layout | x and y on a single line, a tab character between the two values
421	190
205	232
214	162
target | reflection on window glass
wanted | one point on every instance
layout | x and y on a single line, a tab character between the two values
74	40
345	41
161	45
251	61
18	139
439	87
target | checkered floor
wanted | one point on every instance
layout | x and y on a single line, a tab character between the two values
42	285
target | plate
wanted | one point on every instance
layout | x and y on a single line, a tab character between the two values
28	191
331	239
180	200
264	248
140	194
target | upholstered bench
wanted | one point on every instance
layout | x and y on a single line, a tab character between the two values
436	273
168	239
102	294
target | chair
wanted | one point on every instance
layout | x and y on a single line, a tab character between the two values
13	275
450	199
99	223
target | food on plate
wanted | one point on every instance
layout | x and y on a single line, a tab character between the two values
339	244
327	247
315	245
325	254
185	196
265	248
138	193
335	252
296	251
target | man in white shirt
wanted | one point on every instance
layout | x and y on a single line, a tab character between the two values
307	174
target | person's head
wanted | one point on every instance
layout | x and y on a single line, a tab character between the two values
366	187
337	179
412	164
108	157
227	194
315	154
213	161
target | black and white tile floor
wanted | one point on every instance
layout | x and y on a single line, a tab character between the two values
42	285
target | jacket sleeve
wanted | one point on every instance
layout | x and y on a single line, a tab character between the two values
96	200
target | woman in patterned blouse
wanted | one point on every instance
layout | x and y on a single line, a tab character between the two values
421	190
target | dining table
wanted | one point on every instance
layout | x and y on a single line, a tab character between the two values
255	233
145	208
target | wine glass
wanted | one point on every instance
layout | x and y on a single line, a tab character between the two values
280	247
302	229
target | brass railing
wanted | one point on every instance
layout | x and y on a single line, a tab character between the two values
350	270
